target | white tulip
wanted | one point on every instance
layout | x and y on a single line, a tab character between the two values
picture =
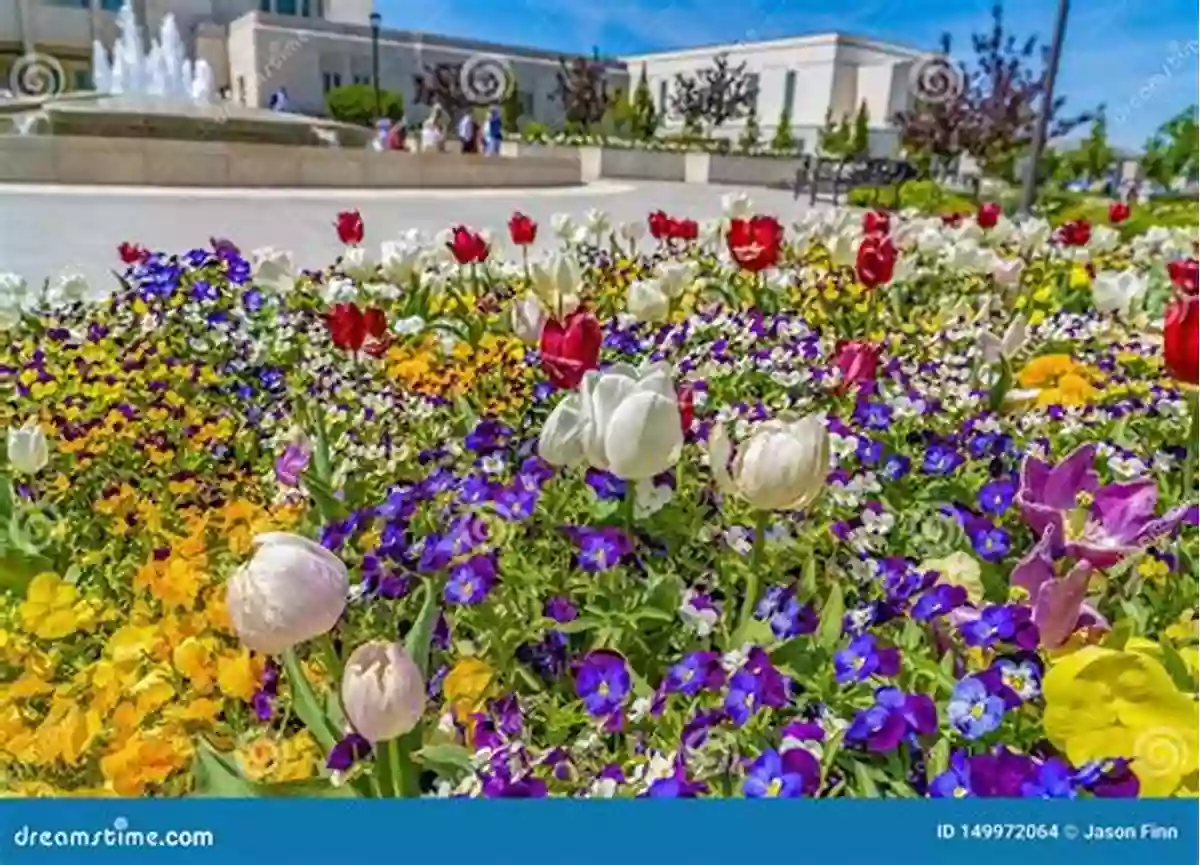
633	231
409	326
383	692
994	348
273	268
1033	233
556	283
13	290
674	278
596	223
563	226
1007	271
782	466
623	420
291	590
647	301
401	260
528	318
72	287
843	248
737	205
932	239
1118	291
28	450
357	262
1103	238
711	233
338	289
10	316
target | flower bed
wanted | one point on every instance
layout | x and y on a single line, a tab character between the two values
865	506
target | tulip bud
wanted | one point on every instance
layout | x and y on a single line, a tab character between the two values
781	467
291	590
383	692
273	268
646	301
528	317
28	451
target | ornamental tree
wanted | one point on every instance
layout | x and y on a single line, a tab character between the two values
1093	157
441	84
582	88
645	116
749	139
988	107
783	140
860	138
1174	149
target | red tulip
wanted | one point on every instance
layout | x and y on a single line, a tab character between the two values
570	348
1118	212
375	322
988	215
876	261
684	229
522	229
347	326
1181	339
132	253
876	222
1075	233
660	225
687	407
350	227
755	243
468	246
858	361
1185	275
953	220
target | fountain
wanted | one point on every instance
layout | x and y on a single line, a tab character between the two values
163	72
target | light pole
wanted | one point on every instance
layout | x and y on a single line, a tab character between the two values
1029	193
375	19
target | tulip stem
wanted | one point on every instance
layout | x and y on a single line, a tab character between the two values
629	506
750	601
1193	442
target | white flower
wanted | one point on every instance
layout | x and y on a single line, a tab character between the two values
13	290
623	420
596	223
408	326
383	692
556	283
1103	238
781	467
401	260
969	256
273	268
339	289
563	225
647	301
633	231
292	590
843	249
1118	291
649	498
1007	271
994	348
711	233
528	317
71	287
357	262
737	205
1033	233
674	278
28	450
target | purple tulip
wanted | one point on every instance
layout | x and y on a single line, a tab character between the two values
290	464
1058	603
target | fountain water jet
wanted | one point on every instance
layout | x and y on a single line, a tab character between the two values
162	72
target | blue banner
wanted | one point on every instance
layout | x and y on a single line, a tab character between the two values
706	832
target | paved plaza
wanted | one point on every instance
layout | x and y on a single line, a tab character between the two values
44	229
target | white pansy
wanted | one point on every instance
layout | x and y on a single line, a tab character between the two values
623	420
646	300
273	268
1118	291
409	326
28	449
383	692
290	591
782	466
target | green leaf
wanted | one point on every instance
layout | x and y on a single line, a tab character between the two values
829	631
1177	668
323	496
449	761
866	784
1119	635
421	635
578	626
215	775
18	568
654	615
808	582
938	760
6	498
306	705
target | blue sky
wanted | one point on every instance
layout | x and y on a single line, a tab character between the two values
1138	57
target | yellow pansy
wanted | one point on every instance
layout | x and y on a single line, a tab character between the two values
466	686
237	674
193	658
146	758
52	608
1103	703
259	758
958	569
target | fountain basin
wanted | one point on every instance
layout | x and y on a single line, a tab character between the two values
97	161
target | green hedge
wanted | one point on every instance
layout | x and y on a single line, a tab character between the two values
355	103
923	195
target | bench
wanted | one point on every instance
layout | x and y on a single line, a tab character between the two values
824	176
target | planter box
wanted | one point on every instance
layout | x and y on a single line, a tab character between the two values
630	164
754	170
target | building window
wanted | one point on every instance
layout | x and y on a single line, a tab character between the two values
662	96
305	11
285	7
752	86
264	5
111	5
241	89
362	79
81	79
331	80
526	102
789	90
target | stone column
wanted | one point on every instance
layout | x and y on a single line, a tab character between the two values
25	25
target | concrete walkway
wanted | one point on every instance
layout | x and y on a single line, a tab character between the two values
44	229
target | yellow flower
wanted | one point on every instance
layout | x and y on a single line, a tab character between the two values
1185	631
52	608
259	758
237	674
1102	703
193	658
959	569
466	687
146	758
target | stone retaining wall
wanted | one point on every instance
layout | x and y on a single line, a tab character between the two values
138	162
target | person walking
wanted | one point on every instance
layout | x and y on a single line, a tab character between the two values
467	131
398	135
495	132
